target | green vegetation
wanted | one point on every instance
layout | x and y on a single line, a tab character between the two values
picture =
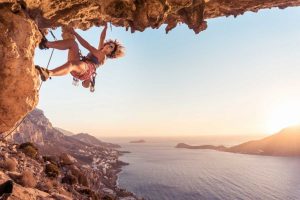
51	170
69	179
29	149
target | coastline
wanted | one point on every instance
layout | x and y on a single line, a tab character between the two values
176	174
126	195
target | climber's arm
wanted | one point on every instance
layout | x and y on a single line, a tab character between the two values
84	43
102	37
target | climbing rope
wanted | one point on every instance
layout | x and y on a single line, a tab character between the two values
110	26
3	138
50	55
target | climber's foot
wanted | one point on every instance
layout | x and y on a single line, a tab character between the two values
44	73
42	44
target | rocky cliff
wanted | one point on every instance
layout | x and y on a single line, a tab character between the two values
20	19
37	128
63	164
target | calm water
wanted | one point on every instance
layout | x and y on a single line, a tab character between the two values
159	171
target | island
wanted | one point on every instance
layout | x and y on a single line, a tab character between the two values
284	143
137	141
186	146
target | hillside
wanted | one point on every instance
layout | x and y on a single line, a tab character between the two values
284	143
87	138
84	170
65	132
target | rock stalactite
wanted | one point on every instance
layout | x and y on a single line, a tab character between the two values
19	35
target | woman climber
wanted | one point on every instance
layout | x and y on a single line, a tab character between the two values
81	68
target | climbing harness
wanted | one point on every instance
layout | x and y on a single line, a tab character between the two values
93	82
92	78
76	80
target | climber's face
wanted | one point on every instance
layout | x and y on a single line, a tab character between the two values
110	47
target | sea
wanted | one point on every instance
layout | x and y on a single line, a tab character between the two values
159	171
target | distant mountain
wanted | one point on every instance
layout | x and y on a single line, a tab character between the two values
65	132
37	128
85	137
284	143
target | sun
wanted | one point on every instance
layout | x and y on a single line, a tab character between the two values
283	115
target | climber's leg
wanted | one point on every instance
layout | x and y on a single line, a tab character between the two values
70	44
76	66
71	66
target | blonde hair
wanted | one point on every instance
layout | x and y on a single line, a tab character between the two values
118	51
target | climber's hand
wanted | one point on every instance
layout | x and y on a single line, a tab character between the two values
105	25
71	30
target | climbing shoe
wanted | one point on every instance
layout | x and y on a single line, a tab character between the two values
44	73
43	42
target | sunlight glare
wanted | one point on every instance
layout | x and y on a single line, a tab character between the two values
283	115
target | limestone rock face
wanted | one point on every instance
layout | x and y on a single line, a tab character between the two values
35	128
141	14
18	79
19	34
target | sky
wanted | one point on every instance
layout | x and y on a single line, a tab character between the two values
238	77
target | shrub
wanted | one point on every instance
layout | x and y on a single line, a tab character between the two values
81	177
26	144
106	197
51	159
75	171
29	149
46	185
66	159
69	179
85	191
88	192
27	179
51	170
8	164
64	192
83	180
55	183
